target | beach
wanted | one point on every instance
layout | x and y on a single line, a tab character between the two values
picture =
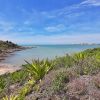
7	68
4	53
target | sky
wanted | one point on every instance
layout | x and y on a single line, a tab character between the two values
50	21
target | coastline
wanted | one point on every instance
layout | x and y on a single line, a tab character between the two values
9	68
56	73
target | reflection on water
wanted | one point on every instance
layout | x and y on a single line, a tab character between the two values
44	51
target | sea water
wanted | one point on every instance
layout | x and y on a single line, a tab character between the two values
44	51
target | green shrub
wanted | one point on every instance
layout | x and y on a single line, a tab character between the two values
87	66
65	61
59	82
2	84
18	76
79	57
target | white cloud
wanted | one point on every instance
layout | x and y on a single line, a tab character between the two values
91	2
57	28
54	39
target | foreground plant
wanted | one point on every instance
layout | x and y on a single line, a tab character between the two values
26	89
37	69
11	97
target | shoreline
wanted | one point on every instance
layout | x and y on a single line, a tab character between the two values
6	53
9	68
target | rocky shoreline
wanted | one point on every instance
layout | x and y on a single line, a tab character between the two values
7	68
7	52
7	48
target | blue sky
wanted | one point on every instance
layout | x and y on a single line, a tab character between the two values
50	21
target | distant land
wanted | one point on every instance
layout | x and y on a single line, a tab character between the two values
7	47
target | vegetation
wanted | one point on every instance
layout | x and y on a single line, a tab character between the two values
63	76
65	61
37	69
7	45
59	81
11	97
11	78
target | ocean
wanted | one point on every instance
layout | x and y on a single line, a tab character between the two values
44	51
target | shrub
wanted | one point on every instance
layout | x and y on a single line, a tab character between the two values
60	80
87	66
77	86
2	83
18	76
65	61
96	80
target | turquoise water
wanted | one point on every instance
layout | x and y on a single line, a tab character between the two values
44	51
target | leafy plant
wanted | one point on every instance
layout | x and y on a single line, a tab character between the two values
38	69
11	97
79	57
26	89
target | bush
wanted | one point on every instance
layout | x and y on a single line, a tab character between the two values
59	82
18	76
66	61
77	86
2	84
96	80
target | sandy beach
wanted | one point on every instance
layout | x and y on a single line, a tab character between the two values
7	68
